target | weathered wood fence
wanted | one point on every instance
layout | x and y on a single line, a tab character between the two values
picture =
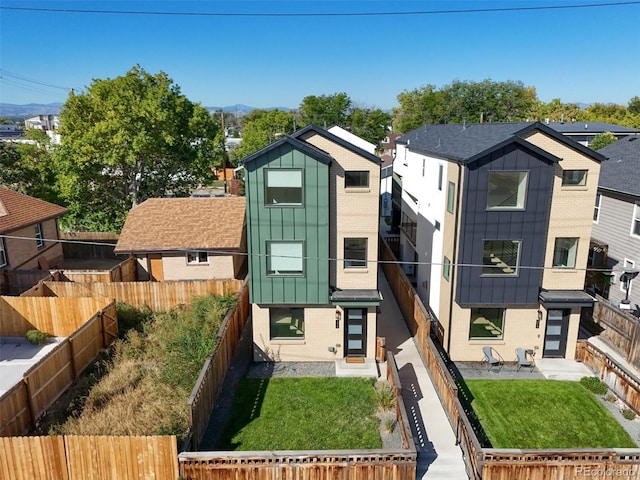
158	296
14	282
88	458
205	392
397	464
43	383
125	271
89	244
498	464
621	329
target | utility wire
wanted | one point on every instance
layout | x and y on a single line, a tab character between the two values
319	14
23	78
330	259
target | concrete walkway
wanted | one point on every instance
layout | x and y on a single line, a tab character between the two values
438	455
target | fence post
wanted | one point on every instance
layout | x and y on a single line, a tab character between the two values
32	413
74	370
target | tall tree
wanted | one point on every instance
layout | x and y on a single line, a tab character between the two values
602	140
127	139
325	110
262	127
370	124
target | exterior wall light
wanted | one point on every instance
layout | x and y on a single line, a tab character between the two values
539	319
338	317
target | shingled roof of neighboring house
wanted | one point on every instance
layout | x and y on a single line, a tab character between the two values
621	172
18	210
177	224
468	142
590	127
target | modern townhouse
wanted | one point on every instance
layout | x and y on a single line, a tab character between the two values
312	237
496	222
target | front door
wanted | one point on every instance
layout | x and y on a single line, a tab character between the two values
355	332
555	337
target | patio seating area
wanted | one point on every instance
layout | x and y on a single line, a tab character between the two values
549	368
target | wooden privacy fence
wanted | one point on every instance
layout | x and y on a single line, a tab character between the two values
205	392
158	296
88	458
89	245
125	271
621	329
42	384
399	464
498	464
622	381
14	282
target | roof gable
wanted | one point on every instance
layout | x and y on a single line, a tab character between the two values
178	224
305	147
336	139
18	210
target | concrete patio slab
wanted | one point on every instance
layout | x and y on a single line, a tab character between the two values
561	369
366	369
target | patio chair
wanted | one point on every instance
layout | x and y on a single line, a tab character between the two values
492	357
525	358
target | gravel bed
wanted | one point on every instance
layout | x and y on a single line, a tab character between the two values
292	369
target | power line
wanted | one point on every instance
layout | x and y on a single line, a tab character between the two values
330	259
23	78
320	14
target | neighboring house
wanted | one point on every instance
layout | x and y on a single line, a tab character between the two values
585	132
616	217
352	138
496	221
312	235
388	148
28	232
47	123
186	238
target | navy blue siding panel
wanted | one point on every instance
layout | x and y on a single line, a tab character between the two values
529	226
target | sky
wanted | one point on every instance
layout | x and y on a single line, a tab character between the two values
223	53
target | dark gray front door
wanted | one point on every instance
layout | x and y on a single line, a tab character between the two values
555	337
355	332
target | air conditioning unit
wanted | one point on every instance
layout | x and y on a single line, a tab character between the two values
625	305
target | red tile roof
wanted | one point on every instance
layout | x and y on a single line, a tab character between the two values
18	210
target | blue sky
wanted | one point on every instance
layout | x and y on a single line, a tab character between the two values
577	55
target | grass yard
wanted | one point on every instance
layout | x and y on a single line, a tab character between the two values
303	414
544	414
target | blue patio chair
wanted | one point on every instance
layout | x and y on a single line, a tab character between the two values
492	357
525	358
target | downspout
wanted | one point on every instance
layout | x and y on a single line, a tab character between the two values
454	260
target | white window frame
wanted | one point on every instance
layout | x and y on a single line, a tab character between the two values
559	245
596	208
289	253
4	260
38	235
195	257
627	265
522	188
635	220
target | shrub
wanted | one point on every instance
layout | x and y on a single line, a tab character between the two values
594	385
388	422
385	397
628	413
131	318
611	398
37	337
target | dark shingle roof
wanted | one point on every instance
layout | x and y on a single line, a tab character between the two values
590	127
621	172
466	143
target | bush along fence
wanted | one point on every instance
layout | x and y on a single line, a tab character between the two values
399	464
489	463
23	404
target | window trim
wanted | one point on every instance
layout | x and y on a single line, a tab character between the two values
583	183
627	264
287	273
368	179
635	220
4	258
520	205
266	187
502	327
596	208
366	253
575	254
38	235
516	268
197	254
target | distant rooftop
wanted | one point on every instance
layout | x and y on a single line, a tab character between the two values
590	127
621	172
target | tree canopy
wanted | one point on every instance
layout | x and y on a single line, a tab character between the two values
602	140
127	139
262	127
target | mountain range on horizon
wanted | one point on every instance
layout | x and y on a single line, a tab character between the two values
32	109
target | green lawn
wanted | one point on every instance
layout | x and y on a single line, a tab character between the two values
303	414
544	414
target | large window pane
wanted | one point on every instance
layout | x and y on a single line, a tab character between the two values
635	225
507	190
355	252
564	252
3	254
500	257
574	177
283	187
286	323
285	258
451	197
356	179
446	268
487	323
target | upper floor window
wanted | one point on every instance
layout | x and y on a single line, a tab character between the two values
197	258
446	268
507	190
440	175
500	257
596	209
39	237
4	261
451	197
635	223
564	252
574	177
358	178
285	258
355	252
409	227
282	187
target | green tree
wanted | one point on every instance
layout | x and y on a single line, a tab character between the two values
128	139
555	111
262	127
370	124
417	107
602	140
634	105
325	110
